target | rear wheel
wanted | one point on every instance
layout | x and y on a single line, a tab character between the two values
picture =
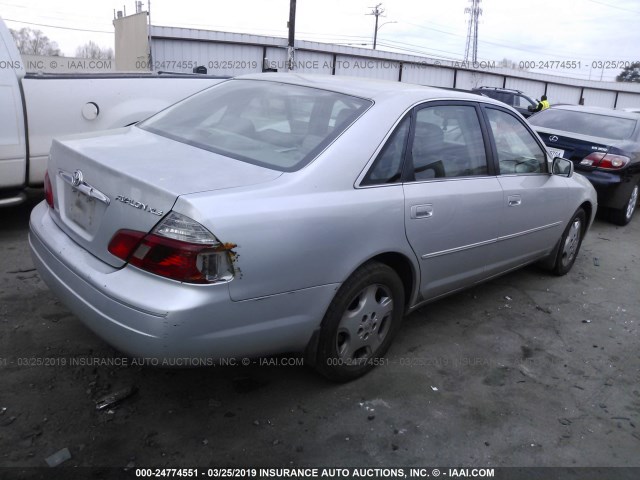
623	216
570	243
360	323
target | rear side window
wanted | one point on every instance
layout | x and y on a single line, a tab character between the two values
585	123
275	125
387	166
448	143
504	97
518	151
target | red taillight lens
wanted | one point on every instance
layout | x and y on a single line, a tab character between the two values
606	161
48	190
123	243
169	258
204	262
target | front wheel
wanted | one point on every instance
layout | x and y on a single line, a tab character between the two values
570	243
360	323
623	216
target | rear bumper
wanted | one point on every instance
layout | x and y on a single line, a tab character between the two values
613	189
600	179
148	316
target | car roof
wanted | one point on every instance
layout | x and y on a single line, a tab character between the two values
597	111
368	88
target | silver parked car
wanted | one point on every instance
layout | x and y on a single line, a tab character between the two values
280	212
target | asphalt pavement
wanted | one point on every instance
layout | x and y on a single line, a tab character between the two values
526	370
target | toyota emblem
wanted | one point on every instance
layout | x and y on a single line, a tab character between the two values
77	178
553	138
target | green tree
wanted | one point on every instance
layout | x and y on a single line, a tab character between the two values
34	42
630	73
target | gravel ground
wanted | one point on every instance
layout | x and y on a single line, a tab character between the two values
526	370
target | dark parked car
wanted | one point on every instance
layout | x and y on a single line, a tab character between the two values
604	145
513	98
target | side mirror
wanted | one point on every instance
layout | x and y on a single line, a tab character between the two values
562	166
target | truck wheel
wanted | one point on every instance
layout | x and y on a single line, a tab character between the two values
623	216
570	243
360	323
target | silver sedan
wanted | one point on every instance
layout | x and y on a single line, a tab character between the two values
287	213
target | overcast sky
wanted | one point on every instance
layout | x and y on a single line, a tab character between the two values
586	31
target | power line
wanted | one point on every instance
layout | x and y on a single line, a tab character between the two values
522	48
614	6
55	16
57	26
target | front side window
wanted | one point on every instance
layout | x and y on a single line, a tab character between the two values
518	151
448	143
275	125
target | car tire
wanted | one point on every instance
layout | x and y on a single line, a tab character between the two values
570	243
624	215
360	323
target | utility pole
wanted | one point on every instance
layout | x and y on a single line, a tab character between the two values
472	31
292	34
377	11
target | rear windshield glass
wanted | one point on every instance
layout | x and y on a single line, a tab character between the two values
585	123
275	125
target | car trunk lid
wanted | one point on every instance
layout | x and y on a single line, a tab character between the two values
574	146
130	179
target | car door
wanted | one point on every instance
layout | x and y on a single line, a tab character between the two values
534	201
453	200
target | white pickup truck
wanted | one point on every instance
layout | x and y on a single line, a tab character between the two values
35	108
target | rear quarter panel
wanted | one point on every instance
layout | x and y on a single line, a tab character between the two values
311	227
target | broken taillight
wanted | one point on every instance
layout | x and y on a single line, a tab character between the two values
178	248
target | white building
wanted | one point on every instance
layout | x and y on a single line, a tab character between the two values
143	47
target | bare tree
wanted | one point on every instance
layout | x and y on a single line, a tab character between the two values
508	63
94	51
34	42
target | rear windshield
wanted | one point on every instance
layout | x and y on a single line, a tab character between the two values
271	124
585	123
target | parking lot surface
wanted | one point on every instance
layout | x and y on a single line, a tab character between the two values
526	370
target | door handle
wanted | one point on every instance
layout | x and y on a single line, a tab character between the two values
514	200
422	211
